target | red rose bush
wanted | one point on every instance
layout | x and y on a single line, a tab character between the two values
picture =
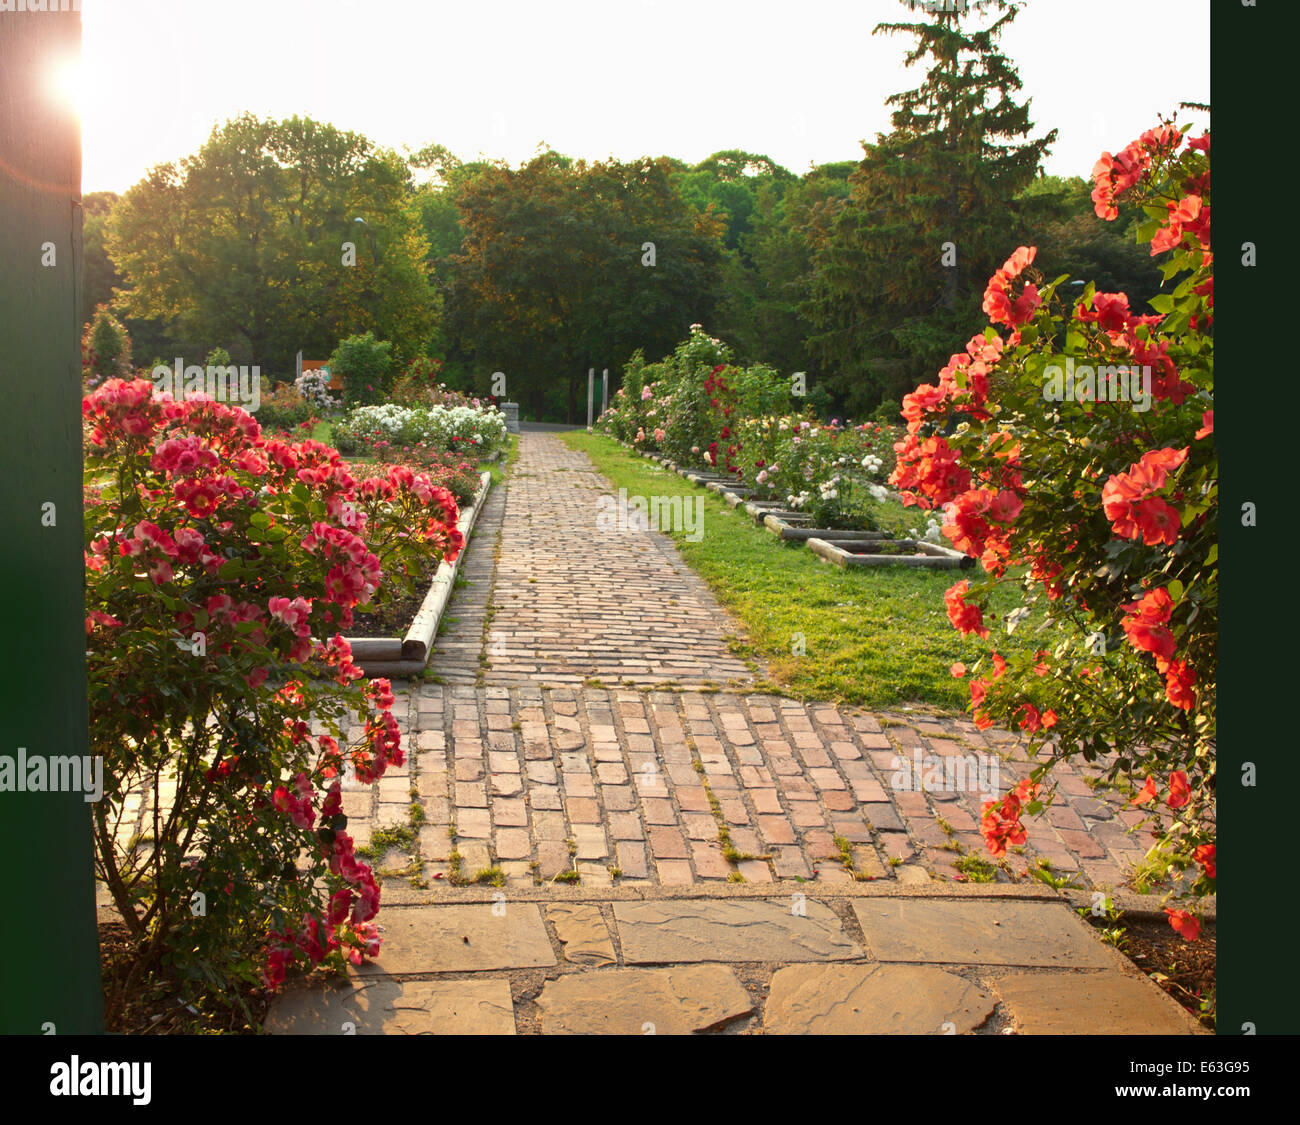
1070	449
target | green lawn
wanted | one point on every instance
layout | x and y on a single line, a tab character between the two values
501	469
875	637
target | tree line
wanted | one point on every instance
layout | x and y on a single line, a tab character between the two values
285	236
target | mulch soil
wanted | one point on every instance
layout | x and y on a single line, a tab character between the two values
155	1009
394	619
1188	968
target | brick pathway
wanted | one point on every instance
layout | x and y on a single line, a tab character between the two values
523	767
574	603
523	764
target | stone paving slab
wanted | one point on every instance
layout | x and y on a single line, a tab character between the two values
873	1000
732	966
1109	1002
979	932
677	1001
479	1006
688	930
582	931
459	939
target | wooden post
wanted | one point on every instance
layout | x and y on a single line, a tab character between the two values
49	978
591	392
604	390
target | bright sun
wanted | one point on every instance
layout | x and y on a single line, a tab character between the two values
67	83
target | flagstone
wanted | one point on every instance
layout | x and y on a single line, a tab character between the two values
682	1000
873	1000
583	933
462	938
692	930
478	1006
1088	1003
998	931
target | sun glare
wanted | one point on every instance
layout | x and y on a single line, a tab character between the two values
67	82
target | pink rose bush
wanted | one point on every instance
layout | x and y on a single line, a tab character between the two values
222	570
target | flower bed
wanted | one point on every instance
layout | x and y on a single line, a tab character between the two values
411	626
738	427
473	433
798	526
888	552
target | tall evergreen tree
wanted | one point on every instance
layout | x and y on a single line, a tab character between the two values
896	284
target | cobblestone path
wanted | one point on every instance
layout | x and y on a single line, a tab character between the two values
590	723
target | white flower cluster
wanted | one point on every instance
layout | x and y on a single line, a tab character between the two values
447	427
314	386
931	535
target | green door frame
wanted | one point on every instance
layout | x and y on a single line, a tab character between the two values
49	959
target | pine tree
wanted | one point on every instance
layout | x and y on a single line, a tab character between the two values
897	281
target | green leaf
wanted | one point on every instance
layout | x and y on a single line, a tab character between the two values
1147	231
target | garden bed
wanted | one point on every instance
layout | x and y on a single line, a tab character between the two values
1185	970
736	496
758	509
784	523
414	620
878	550
795	526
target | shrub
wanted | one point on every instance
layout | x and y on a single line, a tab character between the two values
889	412
1109	501
105	349
418	384
284	408
313	388
457	475
366	367
826	470
222	567
689	405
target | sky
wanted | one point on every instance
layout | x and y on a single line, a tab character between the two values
804	83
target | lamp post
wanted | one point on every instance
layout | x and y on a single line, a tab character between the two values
370	238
